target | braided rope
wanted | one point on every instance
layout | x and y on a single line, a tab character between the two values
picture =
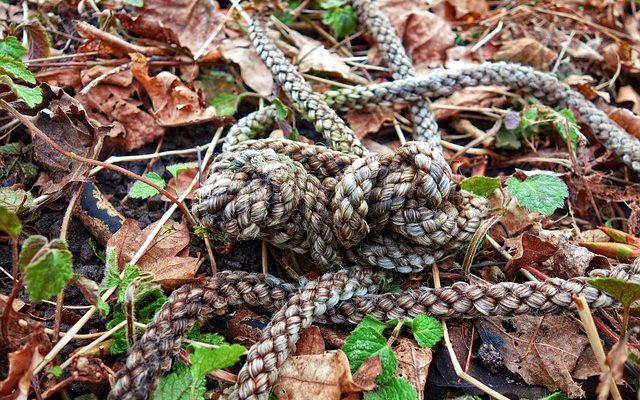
441	83
342	297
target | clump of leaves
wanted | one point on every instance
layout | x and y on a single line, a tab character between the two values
339	17
367	341
538	192
13	70
536	118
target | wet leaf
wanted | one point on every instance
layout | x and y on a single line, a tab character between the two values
48	274
427	331
480	185
366	342
539	193
140	190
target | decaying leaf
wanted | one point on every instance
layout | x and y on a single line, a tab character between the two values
488	96
311	342
627	120
254	73
174	104
370	121
530	249
21	364
425	35
116	101
526	51
465	9
318	376
167	256
413	364
186	23
541	350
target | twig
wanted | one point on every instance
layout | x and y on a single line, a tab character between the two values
27	122
104	76
88	30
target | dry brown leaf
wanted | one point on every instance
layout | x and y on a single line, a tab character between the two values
313	56
164	258
366	374
254	73
21	364
541	350
113	101
61	77
628	94
413	363
530	249
627	120
245	327
426	36
487	96
179	184
66	122
526	51
365	122
310	342
318	376
186	23
174	104
466	9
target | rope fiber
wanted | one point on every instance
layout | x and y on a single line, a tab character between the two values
387	214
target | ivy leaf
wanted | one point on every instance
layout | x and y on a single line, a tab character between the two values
427	331
141	190
539	193
15	69
396	389
9	223
480	185
205	360
175	169
367	342
177	385
625	292
11	46
48	274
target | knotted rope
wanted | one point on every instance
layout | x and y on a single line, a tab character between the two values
398	211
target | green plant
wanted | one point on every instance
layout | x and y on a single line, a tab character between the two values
339	17
13	70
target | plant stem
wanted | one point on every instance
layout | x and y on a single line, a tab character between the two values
33	128
625	320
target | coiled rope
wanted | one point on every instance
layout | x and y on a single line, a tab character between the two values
398	211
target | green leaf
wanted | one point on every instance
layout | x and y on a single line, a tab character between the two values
177	385
480	185
56	371
280	107
395	389
507	139
343	21
554	396
49	274
566	125
15	69
15	201
427	331
329	4
31	96
539	193
131	272
176	169
141	190
11	46
370	322
31	246
205	360
225	103
9	223
625	292
111	276
364	343
205	337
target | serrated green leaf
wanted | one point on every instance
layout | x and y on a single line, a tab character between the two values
205	360
205	337
342	20
15	69
370	322
141	190
177	385
395	389
176	169
30	248
427	331
225	103
480	185
626	292
56	371
365	343
111	276
49	274
31	96
539	193
11	46
566	125
9	222
507	139
131	272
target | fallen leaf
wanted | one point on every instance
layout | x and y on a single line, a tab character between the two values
66	122
530	249
310	342
313	56
164	257
61	77
413	363
526	51
365	122
179	184
488	96
254	73
366	374
174	104
113	101
318	376
21	364
627	120
541	350
426	36
466	9
245	327
186	23
628	94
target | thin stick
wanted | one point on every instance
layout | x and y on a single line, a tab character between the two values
594	340
265	265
